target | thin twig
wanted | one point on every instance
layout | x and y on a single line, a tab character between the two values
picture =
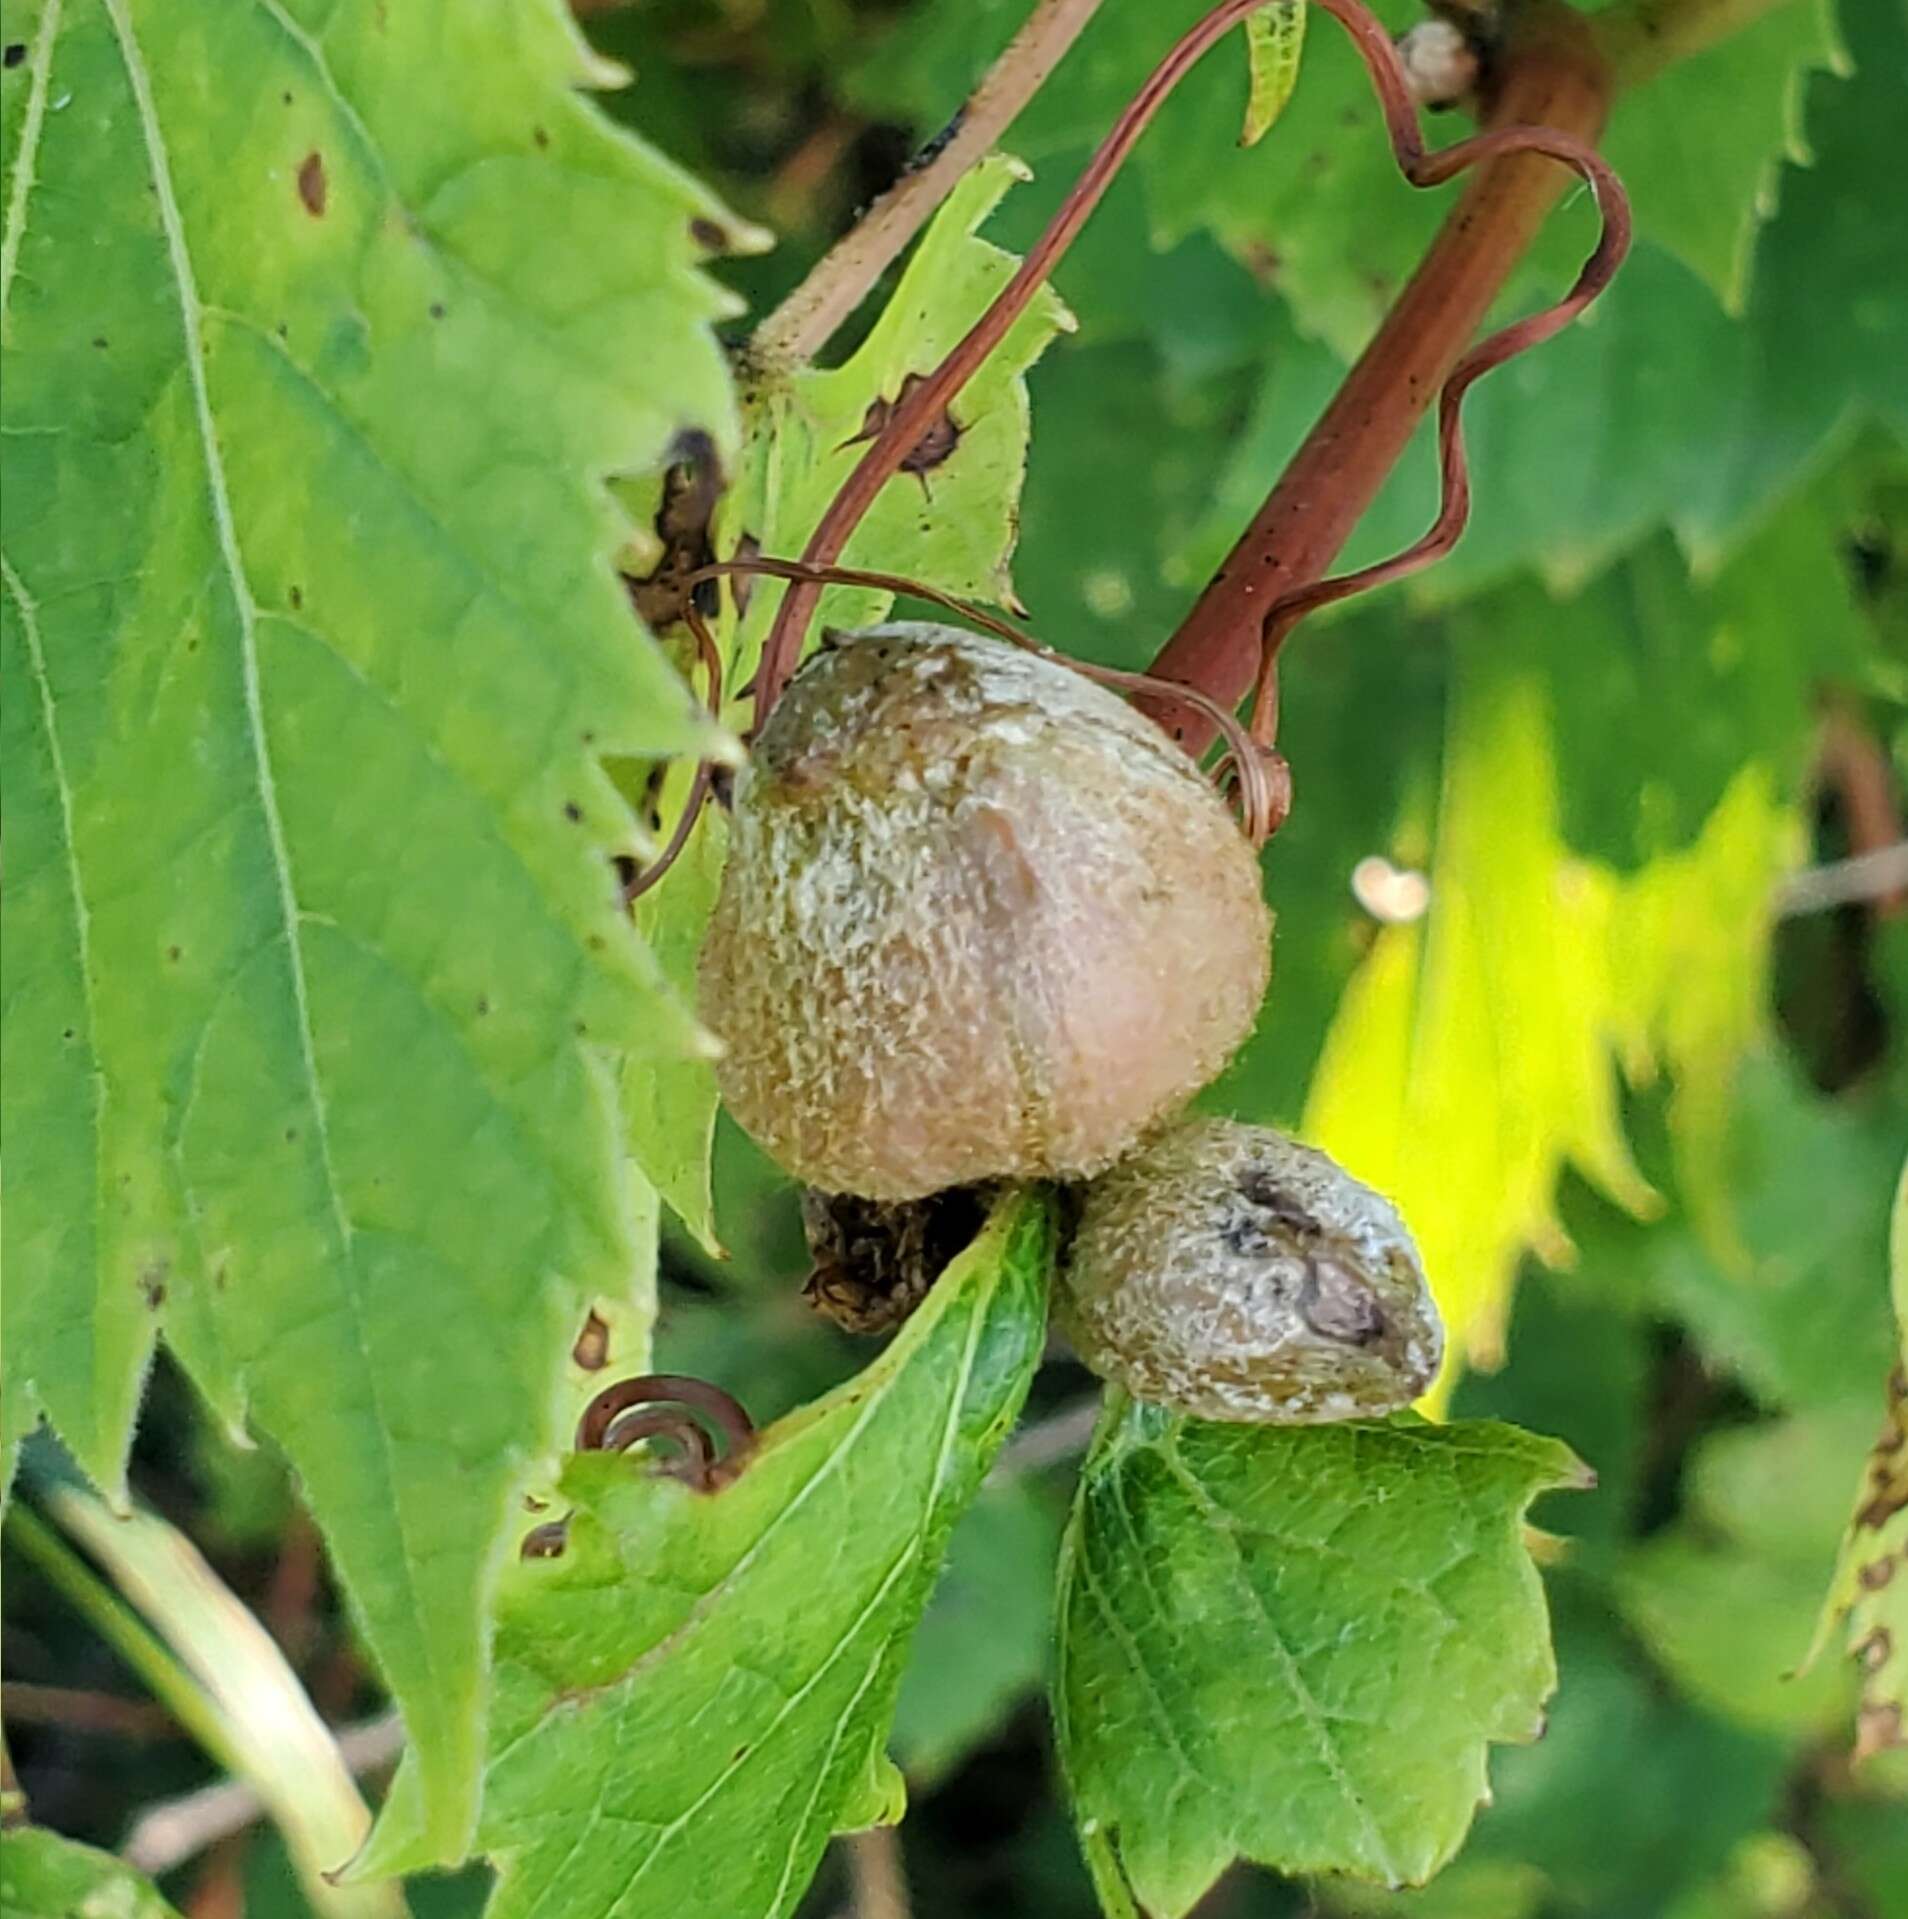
878	1874
103	1712
1048	1441
171	1831
803	324
1867	878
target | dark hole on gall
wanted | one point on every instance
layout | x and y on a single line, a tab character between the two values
572	812
14	54
1264	1192
1337	1305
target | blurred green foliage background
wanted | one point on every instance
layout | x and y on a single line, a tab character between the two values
1690	551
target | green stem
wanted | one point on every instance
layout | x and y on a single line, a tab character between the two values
1643	37
123	1630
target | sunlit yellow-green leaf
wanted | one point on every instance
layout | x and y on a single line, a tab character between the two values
1473	1056
1275	41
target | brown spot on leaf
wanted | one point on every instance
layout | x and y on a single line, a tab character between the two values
540	135
1876	1574
437	309
297	598
311	183
591	1350
708	235
175	953
152	1285
572	812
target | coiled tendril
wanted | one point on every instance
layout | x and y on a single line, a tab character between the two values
688	1415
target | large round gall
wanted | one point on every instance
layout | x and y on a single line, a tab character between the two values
980	920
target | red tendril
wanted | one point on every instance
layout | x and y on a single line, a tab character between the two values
1263	783
710	656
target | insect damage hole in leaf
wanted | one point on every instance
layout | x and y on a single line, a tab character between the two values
1295	1644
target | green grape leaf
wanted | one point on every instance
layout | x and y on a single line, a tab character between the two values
1826	324
984	1642
319	974
1275	42
949	517
1295	1643
1869	1594
1788	1300
950	524
669	1105
1701	146
43	1876
1726	1598
695	1694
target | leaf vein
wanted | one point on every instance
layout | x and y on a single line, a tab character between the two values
24	175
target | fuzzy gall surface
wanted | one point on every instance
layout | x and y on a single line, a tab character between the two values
1231	1273
980	920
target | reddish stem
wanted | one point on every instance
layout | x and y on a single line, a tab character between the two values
1552	92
